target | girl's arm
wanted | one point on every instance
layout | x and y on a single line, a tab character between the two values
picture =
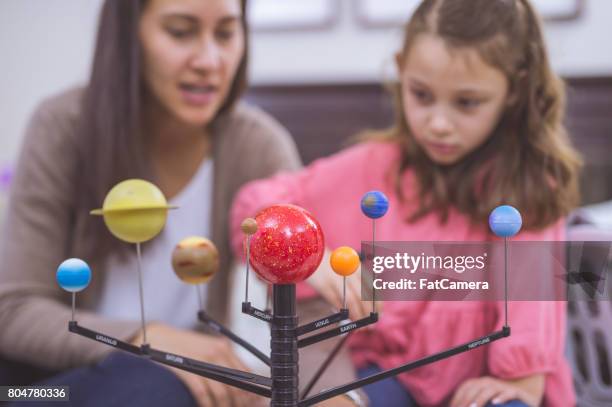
331	189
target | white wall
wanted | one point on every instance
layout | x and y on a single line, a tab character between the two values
46	45
348	52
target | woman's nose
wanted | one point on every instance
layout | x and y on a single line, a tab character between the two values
207	55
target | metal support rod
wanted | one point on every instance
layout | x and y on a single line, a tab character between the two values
332	355
344	292
204	317
73	304
268	307
336	391
248	257
373	249
506	281
200	301
142	312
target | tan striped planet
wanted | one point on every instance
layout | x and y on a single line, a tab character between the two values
195	260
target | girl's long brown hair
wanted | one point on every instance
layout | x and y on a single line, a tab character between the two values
109	142
528	161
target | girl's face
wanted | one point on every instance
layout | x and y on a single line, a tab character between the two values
191	52
452	99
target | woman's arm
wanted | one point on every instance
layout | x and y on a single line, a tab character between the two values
37	236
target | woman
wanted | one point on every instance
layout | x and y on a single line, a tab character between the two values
161	104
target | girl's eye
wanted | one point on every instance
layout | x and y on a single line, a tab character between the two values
468	103
421	95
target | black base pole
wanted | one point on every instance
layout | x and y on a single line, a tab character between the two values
284	350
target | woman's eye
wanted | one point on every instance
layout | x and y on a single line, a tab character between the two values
225	35
180	33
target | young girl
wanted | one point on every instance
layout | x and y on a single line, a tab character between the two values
479	124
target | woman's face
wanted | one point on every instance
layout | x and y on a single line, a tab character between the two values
191	52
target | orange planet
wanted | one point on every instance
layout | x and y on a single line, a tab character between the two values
344	261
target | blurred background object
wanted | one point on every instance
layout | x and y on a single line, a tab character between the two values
589	336
271	15
317	66
6	175
380	13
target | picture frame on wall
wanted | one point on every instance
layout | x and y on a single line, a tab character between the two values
559	10
393	13
384	13
292	15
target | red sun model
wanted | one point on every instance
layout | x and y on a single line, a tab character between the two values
288	245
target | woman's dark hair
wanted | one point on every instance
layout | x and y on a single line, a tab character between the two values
110	145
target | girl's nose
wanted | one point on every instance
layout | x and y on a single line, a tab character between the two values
440	124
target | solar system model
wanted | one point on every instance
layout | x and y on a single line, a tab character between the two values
284	246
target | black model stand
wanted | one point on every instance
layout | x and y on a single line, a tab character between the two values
284	347
285	342
282	387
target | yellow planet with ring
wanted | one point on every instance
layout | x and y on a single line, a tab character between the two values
134	211
195	260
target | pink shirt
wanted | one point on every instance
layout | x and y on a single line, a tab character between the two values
331	189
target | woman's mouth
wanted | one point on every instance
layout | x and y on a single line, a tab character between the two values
198	95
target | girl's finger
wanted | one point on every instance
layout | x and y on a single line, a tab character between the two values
458	397
464	393
505	396
219	393
199	390
485	394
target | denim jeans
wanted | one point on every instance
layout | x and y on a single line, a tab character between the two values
120	379
390	392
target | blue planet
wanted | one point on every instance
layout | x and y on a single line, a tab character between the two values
73	275
505	221
374	204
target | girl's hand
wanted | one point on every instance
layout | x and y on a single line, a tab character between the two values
205	348
478	392
329	285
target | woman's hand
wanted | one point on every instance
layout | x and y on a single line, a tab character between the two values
206	348
478	392
329	285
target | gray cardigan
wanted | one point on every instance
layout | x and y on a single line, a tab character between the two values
41	224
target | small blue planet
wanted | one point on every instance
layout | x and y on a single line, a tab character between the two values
505	221
73	275
374	204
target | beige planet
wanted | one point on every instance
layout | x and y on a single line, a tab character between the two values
195	260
